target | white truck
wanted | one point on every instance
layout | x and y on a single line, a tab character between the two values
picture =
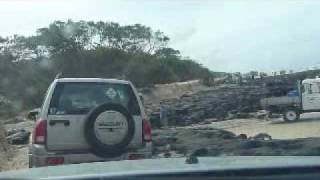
307	100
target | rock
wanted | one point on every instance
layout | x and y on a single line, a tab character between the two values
192	160
183	110
228	136
217	133
261	114
252	144
242	115
163	140
200	152
26	125
15	120
242	136
262	136
13	131
245	109
171	154
207	121
146	90
203	128
158	149
220	113
187	94
233	111
232	114
18	137
161	149
213	119
167	154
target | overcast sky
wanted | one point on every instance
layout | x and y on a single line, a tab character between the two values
225	36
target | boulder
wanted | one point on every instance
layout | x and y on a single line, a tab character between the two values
163	140
18	136
242	136
262	136
252	144
261	114
215	133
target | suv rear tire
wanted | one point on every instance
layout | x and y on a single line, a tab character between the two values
97	146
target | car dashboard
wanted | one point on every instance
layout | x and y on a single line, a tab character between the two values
296	173
225	168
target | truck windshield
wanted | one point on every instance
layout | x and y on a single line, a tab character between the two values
80	98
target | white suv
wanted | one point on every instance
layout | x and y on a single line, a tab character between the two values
89	120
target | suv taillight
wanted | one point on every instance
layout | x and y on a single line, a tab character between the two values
147	137
40	132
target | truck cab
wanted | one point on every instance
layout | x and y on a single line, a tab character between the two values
310	95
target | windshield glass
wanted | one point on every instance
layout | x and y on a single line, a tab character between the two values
86	81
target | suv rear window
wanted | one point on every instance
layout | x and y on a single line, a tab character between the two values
81	97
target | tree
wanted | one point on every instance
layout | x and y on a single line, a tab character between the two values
283	72
61	36
263	74
167	53
28	64
254	73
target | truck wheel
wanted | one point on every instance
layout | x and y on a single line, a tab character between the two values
291	115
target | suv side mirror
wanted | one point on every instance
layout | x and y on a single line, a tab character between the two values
141	98
33	114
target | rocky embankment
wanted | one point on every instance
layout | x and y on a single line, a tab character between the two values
223	102
179	142
14	139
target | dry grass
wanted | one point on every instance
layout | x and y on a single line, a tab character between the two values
6	151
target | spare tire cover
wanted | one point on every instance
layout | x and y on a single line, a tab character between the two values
109	129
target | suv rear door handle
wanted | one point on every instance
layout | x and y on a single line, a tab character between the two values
65	122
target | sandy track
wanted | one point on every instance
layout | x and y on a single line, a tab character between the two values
307	126
20	160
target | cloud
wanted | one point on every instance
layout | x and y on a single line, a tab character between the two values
222	35
184	35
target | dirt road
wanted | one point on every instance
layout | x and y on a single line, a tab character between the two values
20	160
307	126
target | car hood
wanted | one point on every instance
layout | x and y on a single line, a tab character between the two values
160	166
